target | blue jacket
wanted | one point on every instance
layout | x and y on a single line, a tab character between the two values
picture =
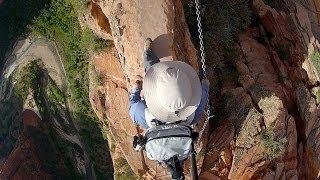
138	106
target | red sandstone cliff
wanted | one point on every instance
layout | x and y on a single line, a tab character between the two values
23	162
275	92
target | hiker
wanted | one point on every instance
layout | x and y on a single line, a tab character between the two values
173	99
172	92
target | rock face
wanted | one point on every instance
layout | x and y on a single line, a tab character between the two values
276	74
23	162
271	73
310	115
110	102
268	126
163	21
273	93
97	21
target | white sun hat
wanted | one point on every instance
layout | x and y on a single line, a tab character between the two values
172	91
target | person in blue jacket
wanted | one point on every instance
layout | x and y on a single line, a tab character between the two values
172	93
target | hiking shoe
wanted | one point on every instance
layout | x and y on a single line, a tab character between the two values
147	44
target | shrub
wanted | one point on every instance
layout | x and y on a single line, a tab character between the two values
55	92
221	23
315	57
93	42
272	148
33	77
99	80
125	172
101	44
316	60
60	160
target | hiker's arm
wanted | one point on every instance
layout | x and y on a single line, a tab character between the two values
134	96
137	108
204	99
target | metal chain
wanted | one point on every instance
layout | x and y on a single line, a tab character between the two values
202	54
203	66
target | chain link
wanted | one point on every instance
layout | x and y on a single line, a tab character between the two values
203	66
202	54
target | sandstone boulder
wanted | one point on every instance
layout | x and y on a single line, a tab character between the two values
218	157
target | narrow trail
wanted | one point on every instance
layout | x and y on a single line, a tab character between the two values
30	49
37	48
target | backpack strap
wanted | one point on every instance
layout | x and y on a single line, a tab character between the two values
157	122
140	141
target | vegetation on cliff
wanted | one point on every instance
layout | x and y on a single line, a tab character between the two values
10	124
57	20
316	61
51	104
124	170
221	23
59	23
272	148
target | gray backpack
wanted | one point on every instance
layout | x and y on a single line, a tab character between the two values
165	141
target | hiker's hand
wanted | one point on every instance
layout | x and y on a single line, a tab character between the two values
137	142
136	82
206	82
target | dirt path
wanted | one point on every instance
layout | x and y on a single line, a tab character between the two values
30	49
36	48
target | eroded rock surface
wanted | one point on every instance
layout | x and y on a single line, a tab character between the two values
163	21
24	162
310	115
97	21
110	102
275	71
